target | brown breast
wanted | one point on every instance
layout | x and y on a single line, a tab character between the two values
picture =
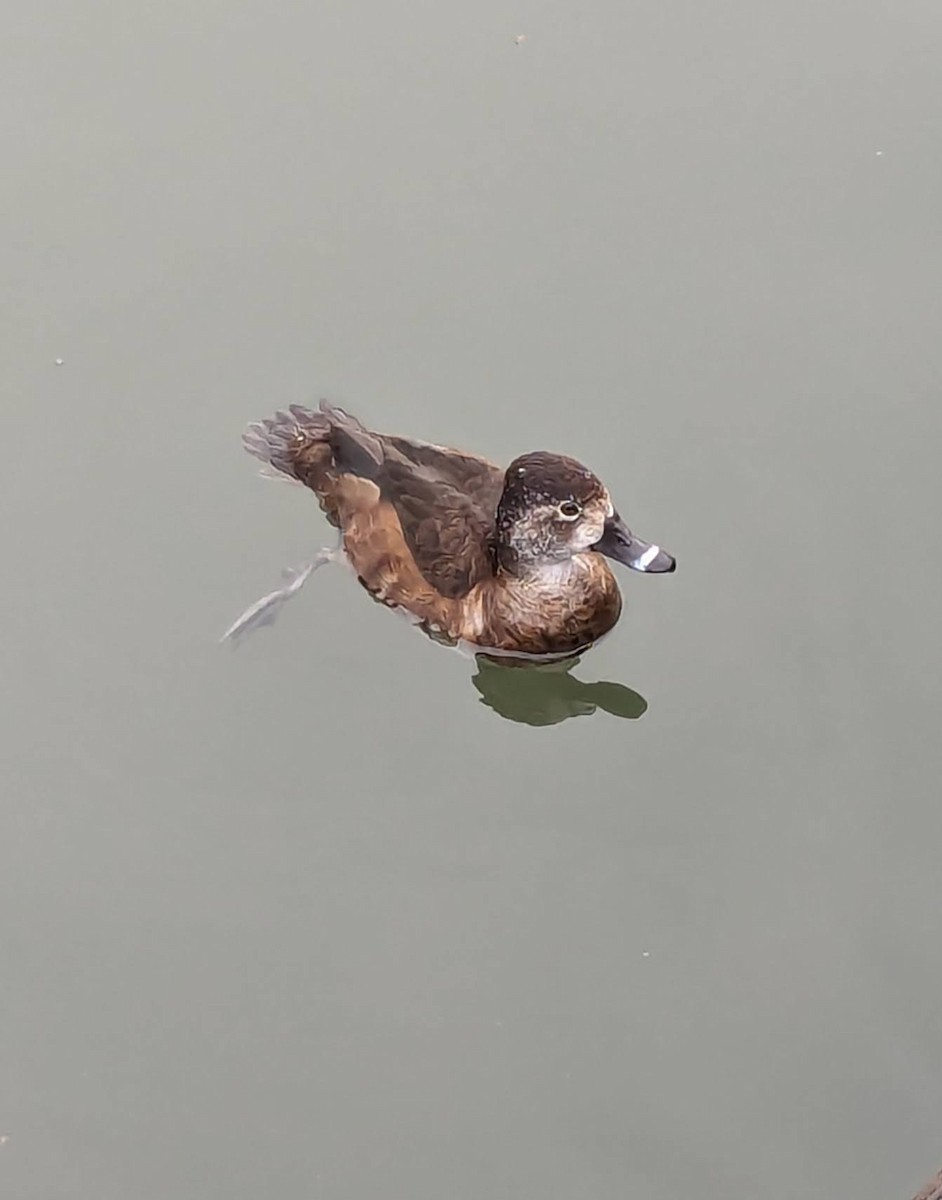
559	610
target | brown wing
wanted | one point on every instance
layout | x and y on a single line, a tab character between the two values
481	481
445	530
384	562
445	501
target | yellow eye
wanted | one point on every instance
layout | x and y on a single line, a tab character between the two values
569	509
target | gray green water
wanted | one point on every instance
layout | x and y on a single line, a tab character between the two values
310	919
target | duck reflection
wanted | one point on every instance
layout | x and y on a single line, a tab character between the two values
547	693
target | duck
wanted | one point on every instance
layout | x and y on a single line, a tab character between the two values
508	561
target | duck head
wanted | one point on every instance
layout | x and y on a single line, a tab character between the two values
552	508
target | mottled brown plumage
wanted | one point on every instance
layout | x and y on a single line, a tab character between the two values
505	560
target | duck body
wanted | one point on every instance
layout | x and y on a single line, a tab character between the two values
512	561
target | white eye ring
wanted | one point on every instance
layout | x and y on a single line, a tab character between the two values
569	510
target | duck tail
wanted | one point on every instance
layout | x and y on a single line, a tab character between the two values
279	441
292	441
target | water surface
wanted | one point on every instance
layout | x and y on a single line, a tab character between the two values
312	919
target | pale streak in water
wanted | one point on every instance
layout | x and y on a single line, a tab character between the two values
264	611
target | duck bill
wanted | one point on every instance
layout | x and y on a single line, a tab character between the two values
618	542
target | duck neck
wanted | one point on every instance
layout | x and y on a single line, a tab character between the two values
545	575
510	562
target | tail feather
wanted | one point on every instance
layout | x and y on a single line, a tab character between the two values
280	441
277	441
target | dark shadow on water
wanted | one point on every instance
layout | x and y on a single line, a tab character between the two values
546	693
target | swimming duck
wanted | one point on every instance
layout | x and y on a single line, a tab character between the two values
510	561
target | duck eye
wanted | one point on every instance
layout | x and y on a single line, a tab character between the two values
569	509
